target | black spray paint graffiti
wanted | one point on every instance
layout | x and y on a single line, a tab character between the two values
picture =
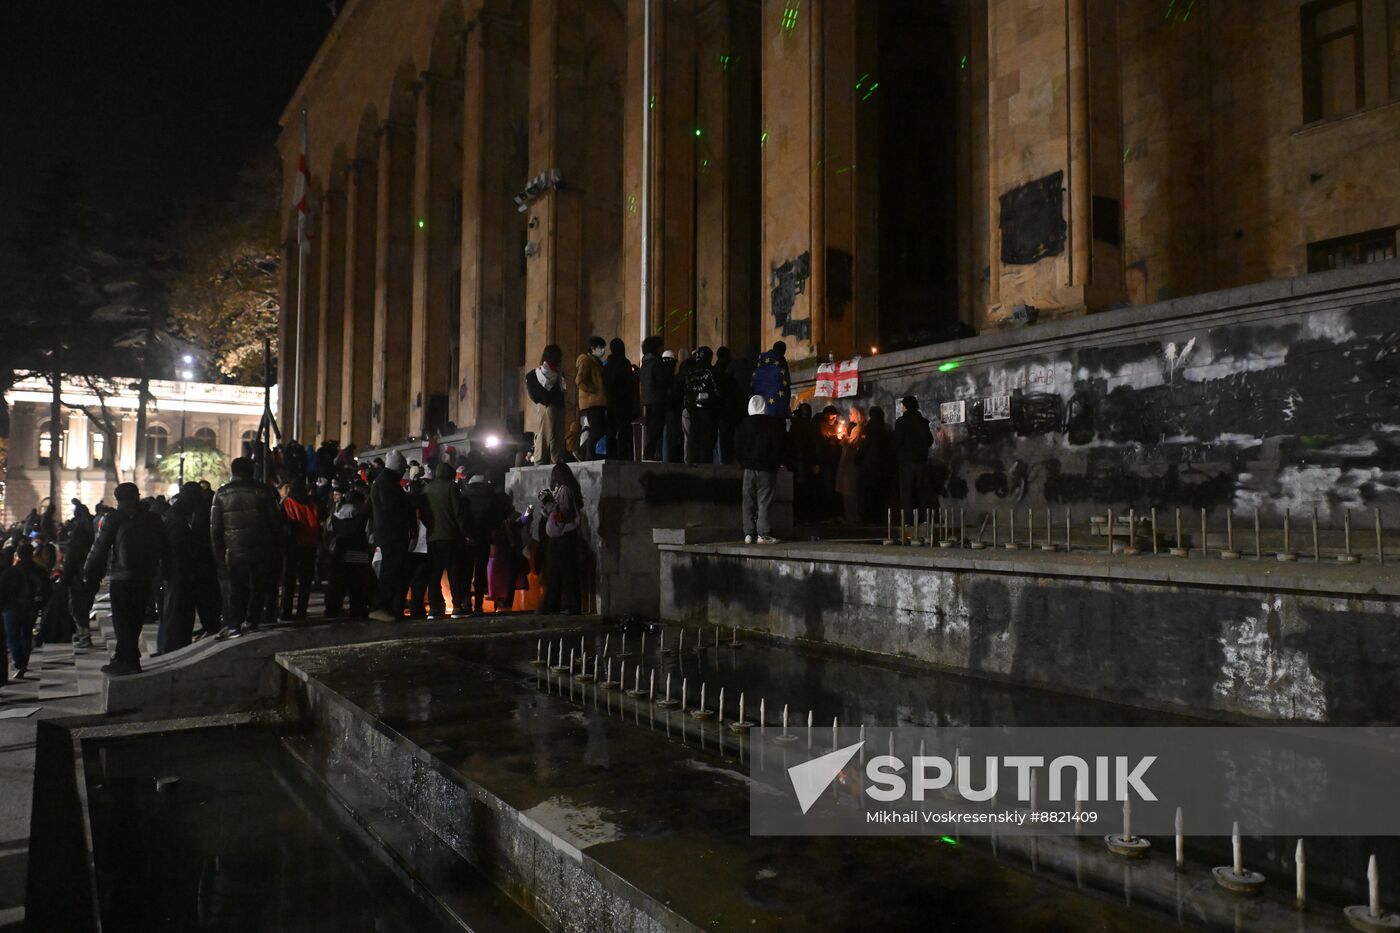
1033	221
787	282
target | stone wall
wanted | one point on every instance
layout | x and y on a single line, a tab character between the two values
1282	395
1316	645
623	502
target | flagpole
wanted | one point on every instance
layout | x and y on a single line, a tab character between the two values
301	291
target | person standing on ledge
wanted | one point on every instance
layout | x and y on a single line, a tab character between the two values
771	380
912	440
758	444
546	387
134	540
620	381
592	398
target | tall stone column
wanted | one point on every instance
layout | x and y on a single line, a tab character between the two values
436	238
393	285
494	102
330	334
1055	144
357	339
308	345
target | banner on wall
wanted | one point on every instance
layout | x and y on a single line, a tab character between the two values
838	380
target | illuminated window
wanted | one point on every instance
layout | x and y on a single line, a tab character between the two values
1355	250
157	443
46	449
1349	55
248	442
97	448
207	438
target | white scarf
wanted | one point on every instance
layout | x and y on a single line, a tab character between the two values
548	377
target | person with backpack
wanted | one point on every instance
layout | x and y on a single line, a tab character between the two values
24	589
130	549
700	417
299	558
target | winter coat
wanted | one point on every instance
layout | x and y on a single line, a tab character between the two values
589	379
177	537
347	540
758	443
24	588
246	522
912	438
304	521
488	509
75	552
448	517
701	390
657	381
133	541
770	380
563	516
395	525
620	386
553	398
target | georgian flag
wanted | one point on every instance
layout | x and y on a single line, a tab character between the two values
303	192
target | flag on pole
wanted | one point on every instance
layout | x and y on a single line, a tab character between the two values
303	191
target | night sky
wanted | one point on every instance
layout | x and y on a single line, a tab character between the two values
155	100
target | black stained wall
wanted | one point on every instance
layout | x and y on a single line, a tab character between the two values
1296	409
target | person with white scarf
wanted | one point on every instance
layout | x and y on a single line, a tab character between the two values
546	387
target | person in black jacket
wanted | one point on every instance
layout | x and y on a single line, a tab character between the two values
488	508
81	533
620	384
874	459
758	445
24	588
176	628
700	417
133	541
912	440
395	531
245	529
347	546
546	387
656	383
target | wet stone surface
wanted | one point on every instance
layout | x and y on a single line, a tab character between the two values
658	805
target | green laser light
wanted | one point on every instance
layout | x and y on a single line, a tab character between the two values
948	366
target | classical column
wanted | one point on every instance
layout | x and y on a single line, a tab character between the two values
393	285
357	343
76	453
436	238
330	335
1055	143
493	169
309	347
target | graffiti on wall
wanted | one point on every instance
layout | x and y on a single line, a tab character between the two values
787	281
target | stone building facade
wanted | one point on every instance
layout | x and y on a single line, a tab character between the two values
847	175
222	416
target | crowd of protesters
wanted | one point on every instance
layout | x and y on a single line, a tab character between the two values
382	537
712	407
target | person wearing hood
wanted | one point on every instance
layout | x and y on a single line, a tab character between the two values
81	532
449	523
131	547
299	560
395	532
488	509
176	627
700	418
771	380
620	386
546	387
657	377
592	398
758	445
246	528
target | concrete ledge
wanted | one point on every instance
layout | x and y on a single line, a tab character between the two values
1365	580
213	677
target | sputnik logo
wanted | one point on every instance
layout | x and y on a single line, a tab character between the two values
811	778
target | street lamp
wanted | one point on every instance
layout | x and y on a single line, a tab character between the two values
185	376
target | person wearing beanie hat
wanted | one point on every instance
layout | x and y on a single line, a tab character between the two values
130	547
395	527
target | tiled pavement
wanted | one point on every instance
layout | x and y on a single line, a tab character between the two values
58	671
